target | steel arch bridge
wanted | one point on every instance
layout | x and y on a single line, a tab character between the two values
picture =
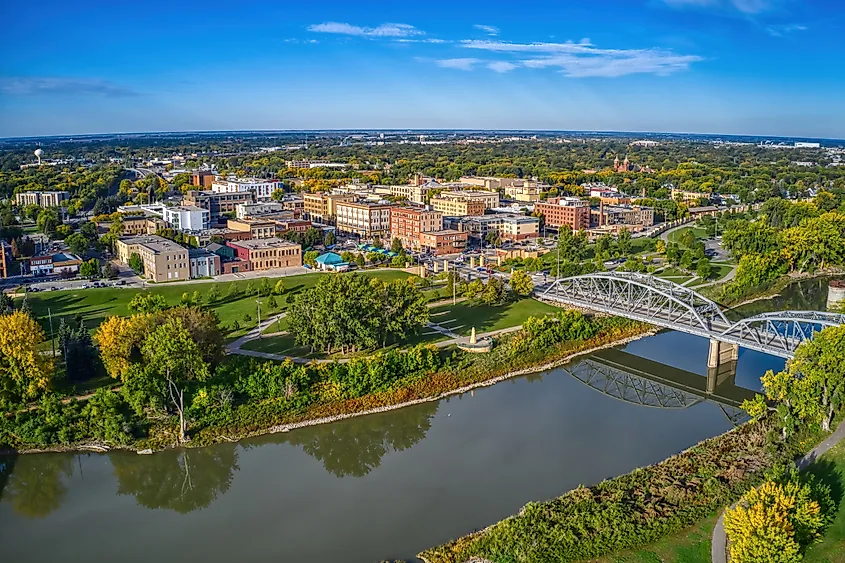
663	303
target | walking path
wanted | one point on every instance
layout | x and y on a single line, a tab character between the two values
718	543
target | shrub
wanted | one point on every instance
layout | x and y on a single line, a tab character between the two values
775	522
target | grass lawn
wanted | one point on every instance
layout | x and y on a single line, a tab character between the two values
96	304
486	319
699	233
689	546
830	468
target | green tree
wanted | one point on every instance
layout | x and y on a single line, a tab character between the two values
310	257
396	246
48	221
78	244
265	287
495	292
279	288
329	239
136	263
687	259
213	294
171	354
493	238
146	302
91	269
521	283
623	242
704	269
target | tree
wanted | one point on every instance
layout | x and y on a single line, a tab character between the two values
213	293
279	288
521	283
704	269
171	353
377	242
396	246
78	244
811	390
233	292
310	257
604	244
354	312
146	302
91	269
623	242
77	349
660	247
48	221
493	238
265	287
495	292
360	260
687	258
136	263
119	340
250	288
24	371
329	239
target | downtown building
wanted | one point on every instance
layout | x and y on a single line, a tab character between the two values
408	223
569	212
263	189
365	219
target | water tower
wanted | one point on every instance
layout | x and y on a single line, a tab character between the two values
38	153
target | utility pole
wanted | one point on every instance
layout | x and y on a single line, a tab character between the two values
52	341
258	306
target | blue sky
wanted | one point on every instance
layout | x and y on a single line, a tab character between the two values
768	67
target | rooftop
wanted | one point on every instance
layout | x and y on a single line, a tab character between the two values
154	243
259	244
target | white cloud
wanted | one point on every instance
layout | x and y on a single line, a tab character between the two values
582	59
782	30
383	30
488	29
744	6
501	66
465	63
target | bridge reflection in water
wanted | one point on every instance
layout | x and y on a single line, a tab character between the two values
644	382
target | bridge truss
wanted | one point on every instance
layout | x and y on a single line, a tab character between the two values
663	303
637	390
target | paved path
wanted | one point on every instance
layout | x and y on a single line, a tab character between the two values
234	347
718	543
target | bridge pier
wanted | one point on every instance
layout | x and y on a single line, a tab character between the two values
721	363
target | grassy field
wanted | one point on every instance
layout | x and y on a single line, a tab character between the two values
831	469
699	233
689	546
461	315
486	319
96	304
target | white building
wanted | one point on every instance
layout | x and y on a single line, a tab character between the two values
186	218
250	210
804	145
203	264
263	188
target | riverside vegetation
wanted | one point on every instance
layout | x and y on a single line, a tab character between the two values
177	387
647	504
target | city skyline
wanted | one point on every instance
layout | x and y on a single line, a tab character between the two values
745	67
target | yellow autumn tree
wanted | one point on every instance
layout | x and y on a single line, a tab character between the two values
119	339
24	370
773	523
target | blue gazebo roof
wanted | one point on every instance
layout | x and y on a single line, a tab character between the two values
329	258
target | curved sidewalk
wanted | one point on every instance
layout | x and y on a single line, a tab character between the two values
719	541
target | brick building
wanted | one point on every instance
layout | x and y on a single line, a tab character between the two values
266	254
565	211
408	223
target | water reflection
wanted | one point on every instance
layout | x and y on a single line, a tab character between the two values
34	484
355	447
178	480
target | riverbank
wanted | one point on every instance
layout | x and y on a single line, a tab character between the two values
431	388
633	510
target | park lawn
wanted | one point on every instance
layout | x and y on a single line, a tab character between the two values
96	304
830	468
485	318
688	546
699	233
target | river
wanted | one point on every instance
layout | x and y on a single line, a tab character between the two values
377	487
